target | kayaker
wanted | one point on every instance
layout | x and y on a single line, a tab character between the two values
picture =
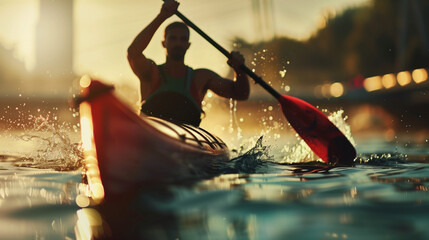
174	91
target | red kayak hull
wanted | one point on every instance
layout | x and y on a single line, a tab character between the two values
132	150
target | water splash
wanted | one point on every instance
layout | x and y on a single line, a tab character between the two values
385	159
53	147
271	128
292	150
251	161
300	152
47	143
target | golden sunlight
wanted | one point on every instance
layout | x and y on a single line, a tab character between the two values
91	163
89	224
86	128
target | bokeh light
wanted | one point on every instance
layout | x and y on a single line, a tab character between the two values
85	81
420	75
372	83
388	80
404	78
337	89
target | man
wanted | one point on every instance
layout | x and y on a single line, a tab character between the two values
174	91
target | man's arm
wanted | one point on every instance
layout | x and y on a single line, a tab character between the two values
238	89
140	65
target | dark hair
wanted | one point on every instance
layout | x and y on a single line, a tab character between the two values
176	25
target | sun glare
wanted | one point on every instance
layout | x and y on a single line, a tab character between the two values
93	173
86	128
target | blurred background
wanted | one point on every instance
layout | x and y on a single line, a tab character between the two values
367	57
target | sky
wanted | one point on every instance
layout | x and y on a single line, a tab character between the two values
105	28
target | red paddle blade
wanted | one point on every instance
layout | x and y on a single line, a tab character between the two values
321	135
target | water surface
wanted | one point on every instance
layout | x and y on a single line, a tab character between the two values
261	194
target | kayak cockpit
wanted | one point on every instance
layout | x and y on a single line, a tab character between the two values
187	133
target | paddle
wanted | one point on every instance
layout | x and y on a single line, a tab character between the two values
321	135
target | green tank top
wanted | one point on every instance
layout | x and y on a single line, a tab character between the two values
178	85
173	100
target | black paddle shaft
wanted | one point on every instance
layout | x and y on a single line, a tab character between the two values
249	72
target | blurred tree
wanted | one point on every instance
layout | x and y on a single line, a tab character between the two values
381	37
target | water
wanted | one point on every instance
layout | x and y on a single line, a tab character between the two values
266	192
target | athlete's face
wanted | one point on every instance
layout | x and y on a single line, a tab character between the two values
176	43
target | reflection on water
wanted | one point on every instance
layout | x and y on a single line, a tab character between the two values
374	202
36	203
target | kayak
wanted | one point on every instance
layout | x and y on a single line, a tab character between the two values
124	150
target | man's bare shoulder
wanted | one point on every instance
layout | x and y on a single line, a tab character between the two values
144	68
151	64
